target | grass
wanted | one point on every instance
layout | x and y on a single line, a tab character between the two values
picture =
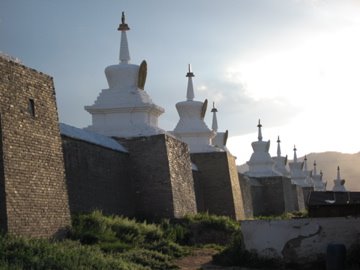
285	216
22	253
97	241
201	229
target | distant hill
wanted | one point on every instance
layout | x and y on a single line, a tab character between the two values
328	162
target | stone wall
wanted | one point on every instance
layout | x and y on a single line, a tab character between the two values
33	199
267	196
163	181
219	184
97	178
294	196
299	240
200	205
251	193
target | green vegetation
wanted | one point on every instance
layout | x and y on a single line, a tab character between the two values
201	229
285	216
96	241
21	253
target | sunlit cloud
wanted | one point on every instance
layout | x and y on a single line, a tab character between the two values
318	78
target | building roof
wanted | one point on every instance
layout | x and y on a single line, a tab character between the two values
320	198
91	137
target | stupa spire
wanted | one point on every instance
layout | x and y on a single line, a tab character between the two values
214	119
339	184
305	163
124	56
278	147
295	156
259	132
190	88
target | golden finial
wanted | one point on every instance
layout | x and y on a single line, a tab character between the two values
123	26
190	73
213	108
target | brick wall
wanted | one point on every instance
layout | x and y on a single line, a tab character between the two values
220	184
200	204
273	195
163	181
33	199
245	187
97	178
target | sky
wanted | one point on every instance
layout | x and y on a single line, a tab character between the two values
294	64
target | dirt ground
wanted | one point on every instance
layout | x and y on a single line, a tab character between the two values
201	259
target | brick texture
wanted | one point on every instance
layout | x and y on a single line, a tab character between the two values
97	178
34	200
272	195
163	182
219	184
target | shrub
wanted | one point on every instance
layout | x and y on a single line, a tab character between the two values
114	234
22	253
213	222
201	228
285	216
96	228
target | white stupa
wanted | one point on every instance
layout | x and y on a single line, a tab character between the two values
319	184
296	171
280	161
307	173
220	138
261	163
191	127
339	184
125	109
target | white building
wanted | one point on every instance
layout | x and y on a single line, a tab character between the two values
220	138
191	127
319	184
280	161
339	184
261	163
125	109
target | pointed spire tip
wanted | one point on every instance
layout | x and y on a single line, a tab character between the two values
259	131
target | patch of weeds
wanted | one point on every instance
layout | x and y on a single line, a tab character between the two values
152	259
285	216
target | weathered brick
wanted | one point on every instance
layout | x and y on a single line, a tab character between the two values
34	199
97	178
162	174
218	184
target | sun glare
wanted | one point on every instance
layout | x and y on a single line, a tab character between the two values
319	75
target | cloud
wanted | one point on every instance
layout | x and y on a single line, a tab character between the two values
238	112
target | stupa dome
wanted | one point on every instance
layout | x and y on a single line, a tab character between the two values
261	163
125	109
191	127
